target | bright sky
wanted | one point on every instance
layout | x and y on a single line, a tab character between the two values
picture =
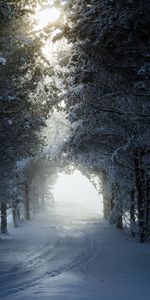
46	16
78	189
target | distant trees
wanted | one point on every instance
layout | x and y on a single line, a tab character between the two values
37	179
29	192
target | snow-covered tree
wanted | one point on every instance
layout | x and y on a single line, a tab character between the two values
28	86
108	93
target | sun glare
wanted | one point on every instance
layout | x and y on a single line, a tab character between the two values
55	51
46	16
76	189
55	47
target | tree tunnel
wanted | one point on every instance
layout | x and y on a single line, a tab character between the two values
78	195
70	87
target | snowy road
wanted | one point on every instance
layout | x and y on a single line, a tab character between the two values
64	257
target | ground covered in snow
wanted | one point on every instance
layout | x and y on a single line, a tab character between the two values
61	255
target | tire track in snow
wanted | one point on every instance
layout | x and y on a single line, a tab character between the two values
32	263
56	252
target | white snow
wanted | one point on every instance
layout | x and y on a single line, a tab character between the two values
11	98
3	61
10	122
58	256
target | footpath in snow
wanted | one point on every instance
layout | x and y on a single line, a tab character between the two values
64	256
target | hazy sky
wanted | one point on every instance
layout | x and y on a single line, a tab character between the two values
77	188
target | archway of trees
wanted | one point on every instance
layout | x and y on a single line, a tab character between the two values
78	194
75	90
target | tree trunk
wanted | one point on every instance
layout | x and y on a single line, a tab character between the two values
37	202
26	202
106	200
105	208
119	222
16	213
34	199
3	217
148	202
43	201
132	213
139	177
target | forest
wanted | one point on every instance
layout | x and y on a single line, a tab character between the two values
74	94
74	122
